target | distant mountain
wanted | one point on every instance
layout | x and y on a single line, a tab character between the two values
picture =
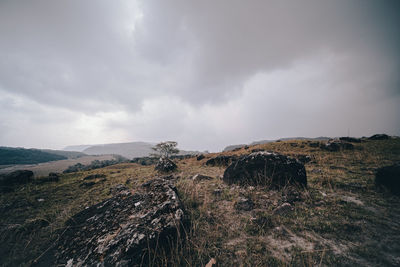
128	150
78	148
11	155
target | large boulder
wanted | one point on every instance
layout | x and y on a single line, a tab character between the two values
221	160
7	181
125	230
165	165
389	177
264	168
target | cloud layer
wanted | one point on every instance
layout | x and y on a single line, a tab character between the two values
204	73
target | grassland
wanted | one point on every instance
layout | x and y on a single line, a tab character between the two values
342	219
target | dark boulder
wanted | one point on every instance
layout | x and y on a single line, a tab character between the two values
350	139
389	177
125	230
165	165
7	181
221	160
379	137
264	168
200	157
337	145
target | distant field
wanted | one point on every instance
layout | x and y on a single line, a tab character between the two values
43	169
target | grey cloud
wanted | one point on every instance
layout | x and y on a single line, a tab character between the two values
84	58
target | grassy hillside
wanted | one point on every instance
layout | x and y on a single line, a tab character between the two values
10	155
342	219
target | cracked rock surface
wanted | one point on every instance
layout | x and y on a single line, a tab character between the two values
121	230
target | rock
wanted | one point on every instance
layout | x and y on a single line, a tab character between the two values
199	177
379	137
303	158
221	160
350	139
120	231
18	177
257	150
211	263
245	204
200	157
337	145
291	195
264	168
389	177
94	176
283	209
165	165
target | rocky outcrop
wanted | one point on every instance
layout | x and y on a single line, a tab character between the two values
264	168
165	165
221	160
8	181
337	145
123	230
389	177
379	137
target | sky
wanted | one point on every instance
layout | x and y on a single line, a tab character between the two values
206	74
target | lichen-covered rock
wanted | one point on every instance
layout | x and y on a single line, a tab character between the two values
264	168
123	230
221	160
165	165
389	177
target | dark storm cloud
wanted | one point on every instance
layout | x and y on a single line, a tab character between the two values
126	69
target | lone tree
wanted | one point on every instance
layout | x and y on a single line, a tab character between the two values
165	149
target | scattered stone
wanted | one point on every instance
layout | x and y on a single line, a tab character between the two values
199	177
350	139
257	150
379	137
119	231
264	168
221	160
40	199
200	157
303	158
245	204
94	176
291	195
118	189
337	145
389	177
283	209
165	165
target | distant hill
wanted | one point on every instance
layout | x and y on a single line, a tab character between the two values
128	150
232	147
78	148
10	155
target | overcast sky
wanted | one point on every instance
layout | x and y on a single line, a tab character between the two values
204	73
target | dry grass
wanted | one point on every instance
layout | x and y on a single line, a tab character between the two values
341	218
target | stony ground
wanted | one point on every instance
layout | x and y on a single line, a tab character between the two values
342	219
